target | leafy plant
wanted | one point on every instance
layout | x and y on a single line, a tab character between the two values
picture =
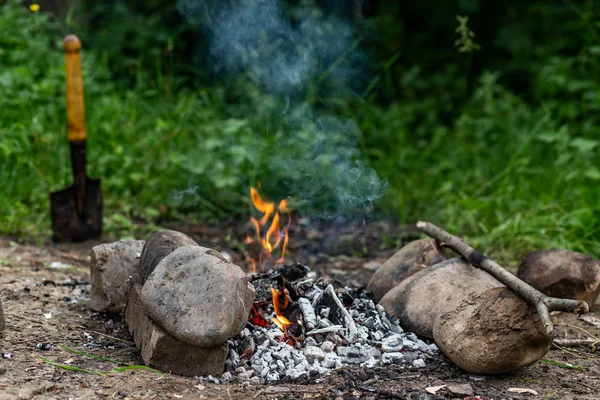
501	145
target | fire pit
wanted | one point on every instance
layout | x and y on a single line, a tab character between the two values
192	312
302	327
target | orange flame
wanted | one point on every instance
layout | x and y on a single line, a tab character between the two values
276	236
279	320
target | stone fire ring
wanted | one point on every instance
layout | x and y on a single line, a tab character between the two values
190	305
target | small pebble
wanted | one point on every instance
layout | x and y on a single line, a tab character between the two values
44	346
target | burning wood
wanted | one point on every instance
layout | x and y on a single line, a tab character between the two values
315	328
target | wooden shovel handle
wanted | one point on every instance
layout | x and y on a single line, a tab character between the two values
75	107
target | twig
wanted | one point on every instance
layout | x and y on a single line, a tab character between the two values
540	301
384	392
35	339
563	349
592	340
129	342
589	342
595	389
580	328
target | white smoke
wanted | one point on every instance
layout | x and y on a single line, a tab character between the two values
318	153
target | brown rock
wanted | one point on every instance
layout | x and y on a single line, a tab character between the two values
492	332
409	260
563	274
159	246
198	296
166	353
420	298
114	269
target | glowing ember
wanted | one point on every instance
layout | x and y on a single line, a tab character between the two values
256	318
275	239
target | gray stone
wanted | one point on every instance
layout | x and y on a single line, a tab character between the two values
162	351
493	332
410	259
198	296
114	269
563	274
160	245
420	298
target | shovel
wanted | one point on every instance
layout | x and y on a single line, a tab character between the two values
76	210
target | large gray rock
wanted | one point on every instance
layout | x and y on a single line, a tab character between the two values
420	298
409	260
492	332
159	246
161	350
114	269
199	297
564	274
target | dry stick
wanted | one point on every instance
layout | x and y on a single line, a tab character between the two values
542	303
589	342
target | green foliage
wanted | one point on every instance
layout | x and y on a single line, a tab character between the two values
157	156
465	42
30	118
499	145
509	175
142	41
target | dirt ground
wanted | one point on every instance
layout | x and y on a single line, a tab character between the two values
45	288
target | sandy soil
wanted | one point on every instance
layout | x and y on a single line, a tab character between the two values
44	291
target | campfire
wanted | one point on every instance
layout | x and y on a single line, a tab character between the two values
302	325
278	321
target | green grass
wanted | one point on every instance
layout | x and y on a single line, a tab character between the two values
562	365
507	174
122	368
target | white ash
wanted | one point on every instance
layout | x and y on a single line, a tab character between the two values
335	336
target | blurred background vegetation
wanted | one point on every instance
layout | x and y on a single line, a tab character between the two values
494	136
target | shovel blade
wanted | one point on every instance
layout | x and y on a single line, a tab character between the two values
68	225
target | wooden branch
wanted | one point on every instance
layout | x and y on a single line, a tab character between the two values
540	301
589	342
